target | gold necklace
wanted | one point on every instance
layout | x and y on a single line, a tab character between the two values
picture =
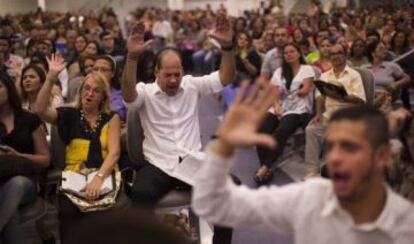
88	128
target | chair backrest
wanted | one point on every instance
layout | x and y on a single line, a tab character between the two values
135	137
317	73
368	82
57	149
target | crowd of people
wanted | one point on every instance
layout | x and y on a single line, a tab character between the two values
81	73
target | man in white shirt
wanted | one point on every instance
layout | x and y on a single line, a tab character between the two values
273	58
168	109
343	75
354	206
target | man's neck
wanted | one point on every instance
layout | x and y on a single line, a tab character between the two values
369	206
376	62
339	69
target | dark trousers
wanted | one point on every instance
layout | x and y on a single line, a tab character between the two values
152	184
281	130
71	218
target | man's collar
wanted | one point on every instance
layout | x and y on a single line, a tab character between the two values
346	70
157	89
385	222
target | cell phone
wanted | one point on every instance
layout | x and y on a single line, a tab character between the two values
4	148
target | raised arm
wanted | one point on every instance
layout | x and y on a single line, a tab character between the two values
49	114
215	197
135	46
224	35
306	88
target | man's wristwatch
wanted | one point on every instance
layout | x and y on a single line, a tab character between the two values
228	47
231	46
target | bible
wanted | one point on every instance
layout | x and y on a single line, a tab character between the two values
74	183
326	88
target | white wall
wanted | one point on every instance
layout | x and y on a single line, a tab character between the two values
13	6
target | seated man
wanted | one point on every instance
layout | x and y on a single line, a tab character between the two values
356	206
351	80
168	109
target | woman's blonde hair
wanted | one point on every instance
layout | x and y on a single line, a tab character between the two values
105	105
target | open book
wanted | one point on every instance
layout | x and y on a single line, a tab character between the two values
73	182
187	169
330	87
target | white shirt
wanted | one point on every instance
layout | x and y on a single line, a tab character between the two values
64	78
308	212
351	80
170	123
162	29
290	102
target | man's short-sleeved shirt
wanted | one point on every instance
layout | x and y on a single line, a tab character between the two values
170	123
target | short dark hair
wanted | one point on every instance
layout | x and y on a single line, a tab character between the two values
3	37
162	52
112	62
376	125
40	58
105	33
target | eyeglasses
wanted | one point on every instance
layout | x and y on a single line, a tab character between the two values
337	53
94	91
102	69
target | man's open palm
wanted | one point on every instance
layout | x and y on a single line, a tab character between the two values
135	42
240	124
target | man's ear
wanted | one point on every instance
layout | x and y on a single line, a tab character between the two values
156	72
383	156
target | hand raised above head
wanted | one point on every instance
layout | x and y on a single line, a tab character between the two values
240	124
56	64
135	41
224	33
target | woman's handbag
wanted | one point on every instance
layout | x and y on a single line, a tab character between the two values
105	202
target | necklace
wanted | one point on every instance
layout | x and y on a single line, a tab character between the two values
88	128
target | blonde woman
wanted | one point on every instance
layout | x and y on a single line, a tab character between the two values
85	129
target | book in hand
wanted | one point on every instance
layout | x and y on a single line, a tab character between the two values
74	183
327	88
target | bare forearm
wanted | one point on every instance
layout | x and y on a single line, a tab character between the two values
40	159
109	163
320	102
405	79
353	99
250	67
42	99
227	67
129	79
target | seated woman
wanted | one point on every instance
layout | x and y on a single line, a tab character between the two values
22	138
389	77
323	63
358	54
90	131
32	80
248	64
86	67
292	109
106	65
